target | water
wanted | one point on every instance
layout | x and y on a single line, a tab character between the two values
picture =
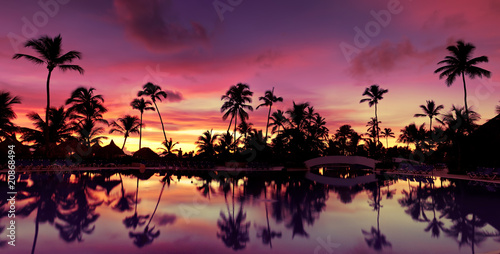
253	213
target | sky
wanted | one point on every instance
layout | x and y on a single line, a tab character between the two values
325	52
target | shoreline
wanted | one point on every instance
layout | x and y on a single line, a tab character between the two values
434	173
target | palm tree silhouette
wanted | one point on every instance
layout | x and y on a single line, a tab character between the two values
234	105
233	228
49	50
155	92
141	105
373	129
60	128
374	94
126	125
169	147
135	220
459	120
88	109
374	238
430	110
387	133
206	144
245	128
278	121
461	63
266	233
269	99
126	199
148	235
7	113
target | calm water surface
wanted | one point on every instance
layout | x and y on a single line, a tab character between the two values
257	213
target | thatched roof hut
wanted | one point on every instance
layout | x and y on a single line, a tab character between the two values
146	153
110	151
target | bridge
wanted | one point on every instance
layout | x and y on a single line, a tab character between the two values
356	161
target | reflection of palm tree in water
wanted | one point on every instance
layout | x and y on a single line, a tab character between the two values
135	220
148	235
233	229
266	233
374	238
125	201
435	225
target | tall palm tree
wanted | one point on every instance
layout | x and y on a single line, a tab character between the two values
206	144
141	105
7	113
49	50
126	125
87	109
387	133
269	99
155	92
235	104
430	110
461	63
374	94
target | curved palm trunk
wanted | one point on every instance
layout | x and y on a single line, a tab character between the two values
230	122
465	98
268	115
157	203
124	141
140	133
37	222
47	109
161	121
430	124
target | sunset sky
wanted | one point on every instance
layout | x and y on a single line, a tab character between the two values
195	50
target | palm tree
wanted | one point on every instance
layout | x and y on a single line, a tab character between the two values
49	50
458	121
245	128
88	109
60	128
459	63
206	144
7	113
141	105
373	129
169	147
155	92
234	105
430	110
269	99
374	94
387	133
278	120
126	126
